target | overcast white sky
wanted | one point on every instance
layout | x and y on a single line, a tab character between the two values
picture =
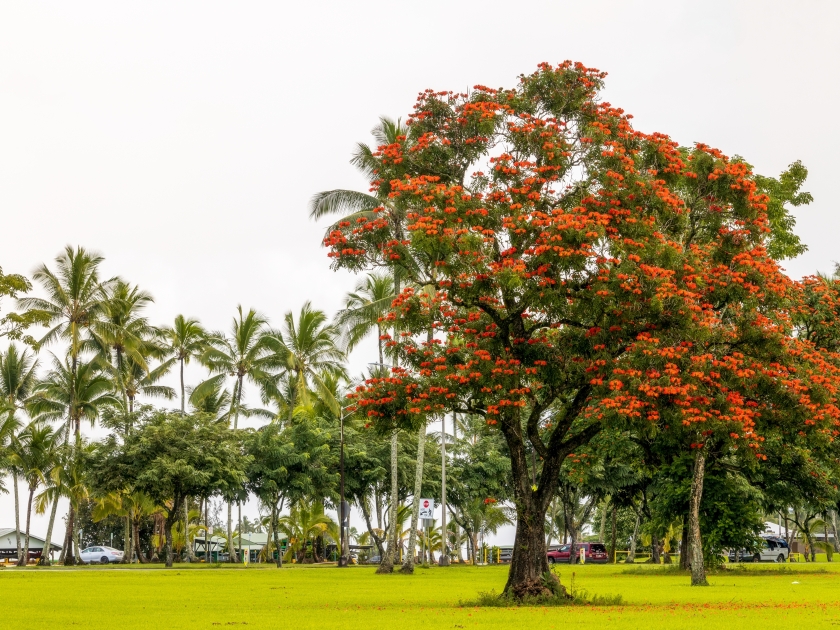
183	140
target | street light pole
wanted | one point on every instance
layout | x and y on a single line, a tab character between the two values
343	558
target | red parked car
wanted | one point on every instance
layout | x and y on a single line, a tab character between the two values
595	552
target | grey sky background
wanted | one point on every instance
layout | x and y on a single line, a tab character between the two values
183	140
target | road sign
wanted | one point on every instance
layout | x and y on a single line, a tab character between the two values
427	508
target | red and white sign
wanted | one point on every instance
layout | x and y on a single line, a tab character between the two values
427	508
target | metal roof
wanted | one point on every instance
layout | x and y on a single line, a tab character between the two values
10	531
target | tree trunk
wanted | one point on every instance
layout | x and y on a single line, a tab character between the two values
45	554
28	521
552	521
233	557
141	558
376	539
444	535
408	565
698	568
187	542
529	562
170	521
183	391
612	535
685	546
239	528
67	552
387	564
654	549
64	545
602	532
631	557
127	548
834	530
17	519
77	540
275	517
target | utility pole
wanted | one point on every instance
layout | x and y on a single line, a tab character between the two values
444	556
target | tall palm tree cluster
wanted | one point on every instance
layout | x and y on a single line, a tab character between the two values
101	362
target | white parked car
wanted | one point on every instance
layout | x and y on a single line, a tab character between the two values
773	549
102	555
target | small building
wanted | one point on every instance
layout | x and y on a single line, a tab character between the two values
216	546
8	545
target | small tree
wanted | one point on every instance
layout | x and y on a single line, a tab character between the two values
169	457
288	464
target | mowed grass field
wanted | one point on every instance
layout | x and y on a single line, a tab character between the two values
326	597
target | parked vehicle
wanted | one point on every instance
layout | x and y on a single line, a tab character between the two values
595	552
773	549
102	555
374	560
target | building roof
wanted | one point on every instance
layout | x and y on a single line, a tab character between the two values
248	540
8	540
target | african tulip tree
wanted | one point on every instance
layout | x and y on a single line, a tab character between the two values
571	259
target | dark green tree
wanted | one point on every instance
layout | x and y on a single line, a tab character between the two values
169	457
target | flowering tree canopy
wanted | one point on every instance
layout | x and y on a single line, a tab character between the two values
565	271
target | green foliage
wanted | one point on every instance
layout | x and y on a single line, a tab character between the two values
785	191
170	457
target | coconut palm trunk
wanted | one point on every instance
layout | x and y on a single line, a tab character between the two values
45	554
17	518
183	389
28	521
387	564
233	556
127	539
408	564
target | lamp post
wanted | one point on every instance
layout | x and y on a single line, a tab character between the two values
343	559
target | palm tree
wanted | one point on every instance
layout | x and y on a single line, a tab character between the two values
308	352
353	205
211	398
34	455
305	523
17	378
74	302
185	340
74	397
122	334
363	309
9	425
137	380
71	392
17	375
67	480
245	355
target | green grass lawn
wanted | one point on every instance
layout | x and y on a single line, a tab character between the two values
325	597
